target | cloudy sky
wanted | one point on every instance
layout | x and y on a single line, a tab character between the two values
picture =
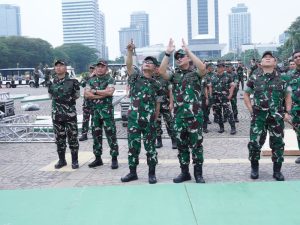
43	19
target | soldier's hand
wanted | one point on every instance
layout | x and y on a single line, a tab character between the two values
171	46
184	46
130	46
287	117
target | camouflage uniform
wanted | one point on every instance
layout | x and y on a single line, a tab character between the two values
165	109
144	93
204	106
208	78
87	108
294	83
64	93
268	91
235	78
240	75
103	117
188	115
220	92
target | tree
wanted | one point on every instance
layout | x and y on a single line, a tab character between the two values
229	56
26	52
77	55
247	55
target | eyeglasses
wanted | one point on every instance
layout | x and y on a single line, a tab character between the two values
179	56
148	62
296	56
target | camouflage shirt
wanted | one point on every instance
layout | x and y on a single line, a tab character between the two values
240	73
186	86
144	93
64	93
294	83
166	86
269	91
235	78
104	106
221	84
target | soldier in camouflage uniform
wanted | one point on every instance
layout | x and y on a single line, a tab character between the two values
205	102
145	98
210	72
186	83
100	90
240	74
222	88
166	107
233	101
64	92
269	91
87	106
294	83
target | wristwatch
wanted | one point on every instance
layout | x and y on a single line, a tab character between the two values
94	91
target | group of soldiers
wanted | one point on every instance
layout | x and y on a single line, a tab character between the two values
183	97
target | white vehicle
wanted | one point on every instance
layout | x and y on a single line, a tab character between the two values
12	77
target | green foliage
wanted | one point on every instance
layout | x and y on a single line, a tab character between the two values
26	52
247	55
77	55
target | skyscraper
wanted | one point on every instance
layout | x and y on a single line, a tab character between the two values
84	24
203	28
239	27
10	22
140	20
138	31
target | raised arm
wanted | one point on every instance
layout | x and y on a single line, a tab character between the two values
196	61
129	59
165	62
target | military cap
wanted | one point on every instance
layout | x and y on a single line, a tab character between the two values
102	62
179	52
221	64
60	61
153	59
267	53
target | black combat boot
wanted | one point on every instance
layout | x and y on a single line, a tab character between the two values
184	175
205	128
221	128
174	143
297	160
254	169
131	175
151	175
198	174
233	130
114	163
236	118
276	171
158	142
61	162
75	164
83	137
96	162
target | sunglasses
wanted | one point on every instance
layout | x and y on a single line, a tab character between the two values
179	56
148	62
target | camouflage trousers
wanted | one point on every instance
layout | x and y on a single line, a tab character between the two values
87	112
221	103
233	102
136	128
205	110
66	130
109	126
296	122
168	122
189	136
262	122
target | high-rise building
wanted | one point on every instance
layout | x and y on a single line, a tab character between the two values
203	28
138	31
10	21
140	20
239	27
125	36
84	24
